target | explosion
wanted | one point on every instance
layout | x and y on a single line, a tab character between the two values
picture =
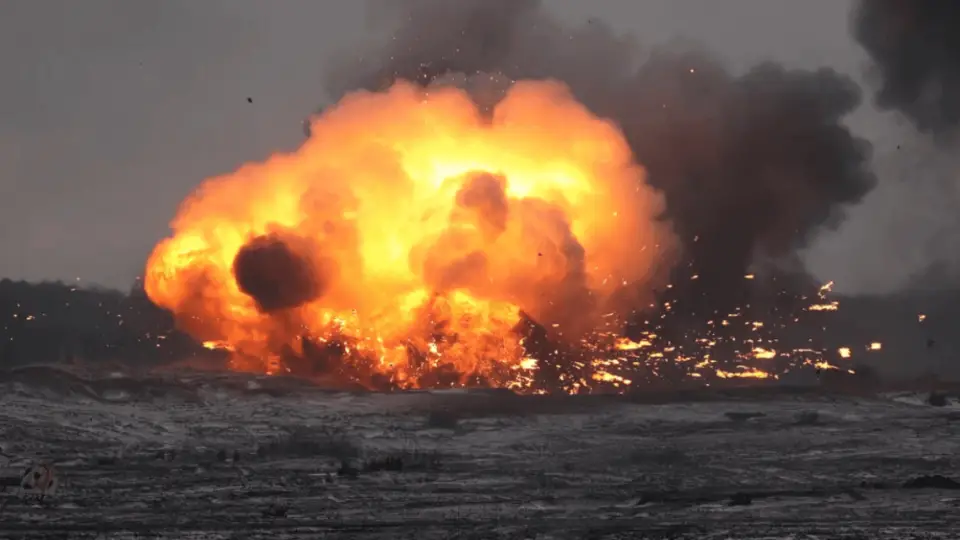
600	233
417	239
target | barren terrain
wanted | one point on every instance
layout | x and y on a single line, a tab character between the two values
230	456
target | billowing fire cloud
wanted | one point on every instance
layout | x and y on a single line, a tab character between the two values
410	236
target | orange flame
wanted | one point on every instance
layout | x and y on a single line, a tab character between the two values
746	373
428	230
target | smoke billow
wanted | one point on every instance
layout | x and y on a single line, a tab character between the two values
915	46
751	165
915	51
277	275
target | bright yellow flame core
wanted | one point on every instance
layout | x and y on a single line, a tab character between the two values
385	189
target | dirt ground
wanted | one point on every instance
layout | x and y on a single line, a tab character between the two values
229	457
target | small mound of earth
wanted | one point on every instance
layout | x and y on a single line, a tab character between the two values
53	382
935	481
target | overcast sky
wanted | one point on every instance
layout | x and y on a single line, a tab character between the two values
111	111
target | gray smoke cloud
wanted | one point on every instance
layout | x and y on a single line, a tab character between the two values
915	46
751	165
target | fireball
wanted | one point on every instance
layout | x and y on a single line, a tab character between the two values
411	234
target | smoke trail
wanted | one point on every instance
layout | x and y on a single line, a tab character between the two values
751	166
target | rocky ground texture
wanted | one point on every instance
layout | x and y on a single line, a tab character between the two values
231	456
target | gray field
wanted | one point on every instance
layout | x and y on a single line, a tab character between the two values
154	458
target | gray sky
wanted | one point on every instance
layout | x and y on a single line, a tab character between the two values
113	110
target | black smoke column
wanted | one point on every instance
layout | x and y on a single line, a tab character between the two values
915	45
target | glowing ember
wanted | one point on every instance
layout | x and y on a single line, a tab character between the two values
624	344
821	365
822	295
762	353
746	373
217	345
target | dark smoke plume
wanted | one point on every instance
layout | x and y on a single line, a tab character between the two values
915	45
277	275
915	51
751	165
